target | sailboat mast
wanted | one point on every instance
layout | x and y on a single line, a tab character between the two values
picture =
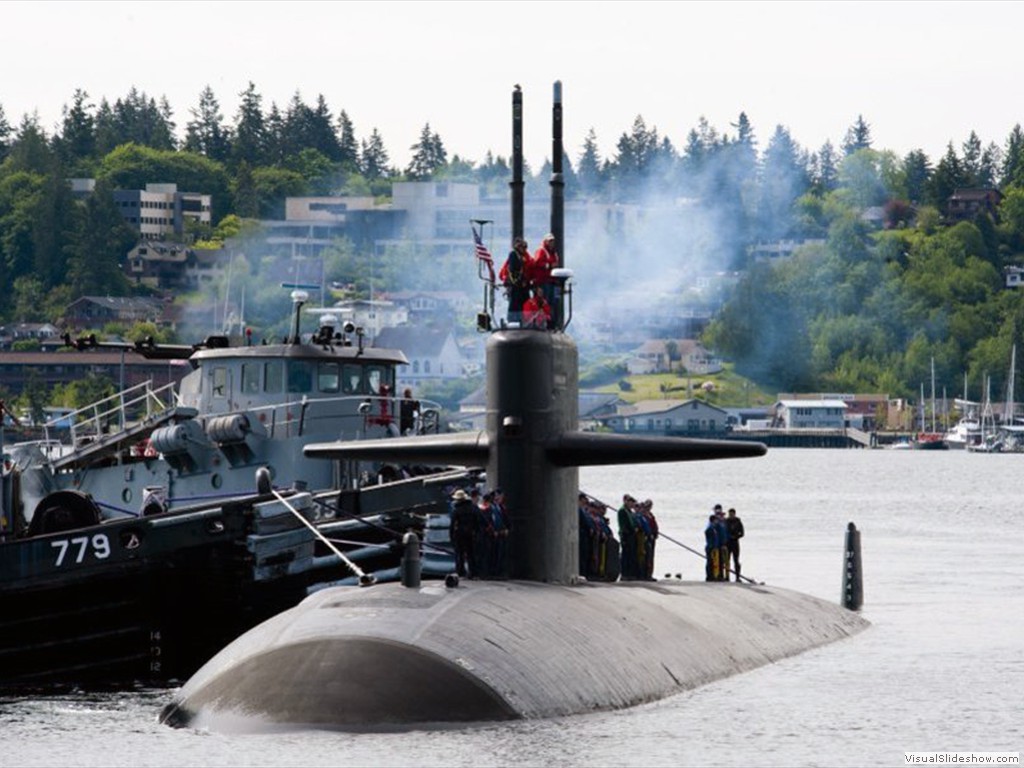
933	394
1008	406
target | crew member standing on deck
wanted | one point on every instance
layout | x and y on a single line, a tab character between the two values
462	533
723	543
627	538
408	410
545	260
735	526
711	549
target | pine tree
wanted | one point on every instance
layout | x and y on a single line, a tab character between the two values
948	177
206	134
250	135
77	140
100	242
783	180
321	135
858	136
374	157
588	170
991	158
5	135
827	177
247	202
276	146
971	162
917	171
428	155
1012	170
347	146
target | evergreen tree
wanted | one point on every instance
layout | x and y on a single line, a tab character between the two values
1012	170
249	143
277	145
635	155
348	148
102	238
858	136
5	135
971	162
588	170
917	171
163	128
30	150
783	180
826	177
948	177
322	137
743	152
991	158
428	155
206	134
374	157
77	139
107	136
247	204
298	130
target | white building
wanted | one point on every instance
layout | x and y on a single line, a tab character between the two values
810	414
662	417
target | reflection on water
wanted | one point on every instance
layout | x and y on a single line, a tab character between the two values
940	669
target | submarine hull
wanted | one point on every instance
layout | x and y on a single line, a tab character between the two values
354	659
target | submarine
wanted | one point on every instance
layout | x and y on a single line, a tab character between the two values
545	642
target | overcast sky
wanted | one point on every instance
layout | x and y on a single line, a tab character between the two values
921	73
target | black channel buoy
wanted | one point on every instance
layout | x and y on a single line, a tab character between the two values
853	580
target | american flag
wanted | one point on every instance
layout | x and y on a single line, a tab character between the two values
482	253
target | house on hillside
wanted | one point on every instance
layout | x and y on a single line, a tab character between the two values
96	311
669	417
41	332
433	354
653	357
965	204
172	265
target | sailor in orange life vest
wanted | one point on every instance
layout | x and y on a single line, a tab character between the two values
536	310
545	260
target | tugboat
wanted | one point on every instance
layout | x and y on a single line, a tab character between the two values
169	521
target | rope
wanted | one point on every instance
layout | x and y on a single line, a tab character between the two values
364	579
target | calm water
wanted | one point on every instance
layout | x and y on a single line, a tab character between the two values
941	668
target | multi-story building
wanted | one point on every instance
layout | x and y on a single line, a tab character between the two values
160	210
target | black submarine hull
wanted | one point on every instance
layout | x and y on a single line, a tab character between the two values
394	657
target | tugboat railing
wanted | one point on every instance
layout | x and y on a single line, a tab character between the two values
136	404
283	420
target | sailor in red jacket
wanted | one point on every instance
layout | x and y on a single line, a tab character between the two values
544	260
536	310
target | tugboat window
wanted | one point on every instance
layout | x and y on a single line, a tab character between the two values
352	379
328	377
250	378
299	377
220	382
273	373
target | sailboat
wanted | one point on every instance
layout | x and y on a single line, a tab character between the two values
929	440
